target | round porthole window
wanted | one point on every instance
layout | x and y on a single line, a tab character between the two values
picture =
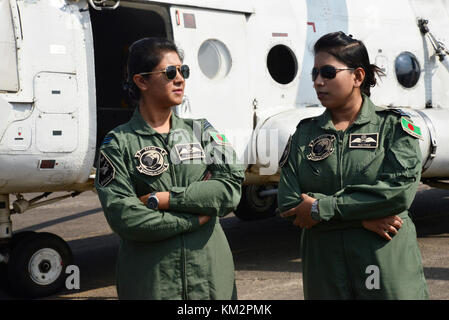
407	69
282	64
214	59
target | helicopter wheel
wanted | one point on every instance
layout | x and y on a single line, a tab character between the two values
254	207
37	264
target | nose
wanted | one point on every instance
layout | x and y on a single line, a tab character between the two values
179	78
319	81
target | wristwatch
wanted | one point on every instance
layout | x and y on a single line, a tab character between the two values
153	201
315	211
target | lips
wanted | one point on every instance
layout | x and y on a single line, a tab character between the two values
321	95
178	91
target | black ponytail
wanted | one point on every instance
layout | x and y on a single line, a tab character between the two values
351	52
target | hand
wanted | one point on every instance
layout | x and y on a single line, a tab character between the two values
384	226
203	219
207	176
302	212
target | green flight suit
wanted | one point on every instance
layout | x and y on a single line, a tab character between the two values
166	254
369	171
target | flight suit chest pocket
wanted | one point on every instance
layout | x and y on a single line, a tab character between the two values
369	164
145	184
314	175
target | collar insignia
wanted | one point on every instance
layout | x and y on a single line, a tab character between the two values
321	147
151	161
364	140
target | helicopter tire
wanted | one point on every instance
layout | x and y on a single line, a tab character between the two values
37	264
253	207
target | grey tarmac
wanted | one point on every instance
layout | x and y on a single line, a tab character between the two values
266	252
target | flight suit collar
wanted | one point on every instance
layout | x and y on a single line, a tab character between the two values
368	112
140	126
366	115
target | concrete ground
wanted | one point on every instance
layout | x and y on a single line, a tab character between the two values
266	252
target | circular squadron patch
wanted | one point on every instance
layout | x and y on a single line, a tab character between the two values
321	147
151	161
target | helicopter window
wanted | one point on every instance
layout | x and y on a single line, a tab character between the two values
407	69
8	63
282	64
214	59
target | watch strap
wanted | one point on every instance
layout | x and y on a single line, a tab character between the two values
315	211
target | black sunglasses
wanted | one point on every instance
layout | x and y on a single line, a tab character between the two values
328	72
170	72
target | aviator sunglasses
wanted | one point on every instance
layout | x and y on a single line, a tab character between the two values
327	72
170	72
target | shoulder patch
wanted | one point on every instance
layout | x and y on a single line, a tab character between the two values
106	170
410	128
219	138
206	125
286	153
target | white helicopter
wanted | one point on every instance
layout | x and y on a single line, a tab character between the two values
62	66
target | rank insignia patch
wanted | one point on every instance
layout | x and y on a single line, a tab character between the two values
219	138
151	161
206	125
107	140
364	140
286	153
106	170
411	128
189	151
321	147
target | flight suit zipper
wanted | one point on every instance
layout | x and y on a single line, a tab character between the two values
183	253
340	157
341	136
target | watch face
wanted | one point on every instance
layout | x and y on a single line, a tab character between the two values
152	202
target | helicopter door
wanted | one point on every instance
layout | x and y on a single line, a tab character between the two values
9	80
215	48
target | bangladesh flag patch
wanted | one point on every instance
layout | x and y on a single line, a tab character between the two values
411	128
219	138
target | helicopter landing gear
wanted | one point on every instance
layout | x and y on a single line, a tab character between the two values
32	264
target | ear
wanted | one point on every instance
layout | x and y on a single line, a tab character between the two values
140	82
359	76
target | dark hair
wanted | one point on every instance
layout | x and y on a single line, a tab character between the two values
351	52
143	56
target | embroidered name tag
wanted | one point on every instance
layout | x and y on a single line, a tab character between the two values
364	140
189	151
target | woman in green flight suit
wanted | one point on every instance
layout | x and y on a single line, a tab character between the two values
349	176
163	182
